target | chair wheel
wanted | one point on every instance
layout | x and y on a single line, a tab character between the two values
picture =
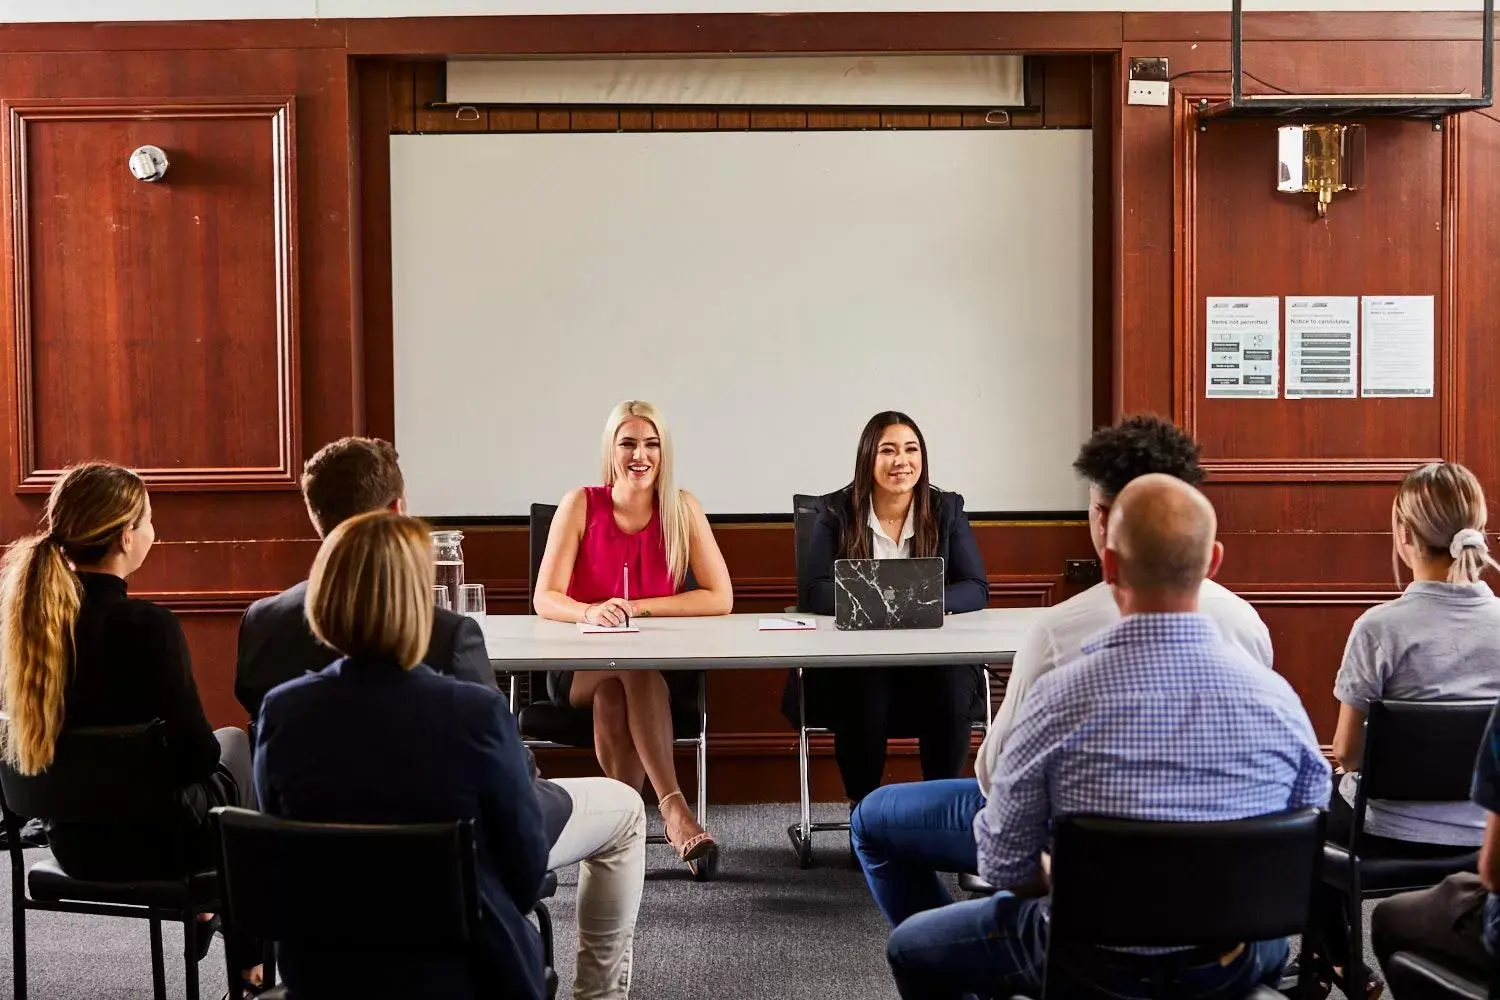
706	867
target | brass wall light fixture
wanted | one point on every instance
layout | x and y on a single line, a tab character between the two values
1321	160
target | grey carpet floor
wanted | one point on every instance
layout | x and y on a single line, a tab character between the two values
763	929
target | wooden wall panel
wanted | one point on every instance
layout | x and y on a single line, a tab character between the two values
1241	237
108	312
1308	631
1303	488
158	286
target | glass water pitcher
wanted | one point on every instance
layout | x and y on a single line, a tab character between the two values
448	553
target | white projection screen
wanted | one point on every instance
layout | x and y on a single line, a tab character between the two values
768	290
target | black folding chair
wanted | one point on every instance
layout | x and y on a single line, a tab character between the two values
1123	883
554	722
805	510
360	894
1415	751
115	777
1421	977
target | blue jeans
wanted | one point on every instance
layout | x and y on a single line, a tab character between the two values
997	947
905	834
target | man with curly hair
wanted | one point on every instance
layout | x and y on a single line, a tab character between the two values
905	834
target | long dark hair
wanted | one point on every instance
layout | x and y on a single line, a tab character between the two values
856	541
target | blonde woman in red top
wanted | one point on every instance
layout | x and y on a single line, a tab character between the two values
637	527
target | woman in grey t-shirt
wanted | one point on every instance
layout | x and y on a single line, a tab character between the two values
1438	641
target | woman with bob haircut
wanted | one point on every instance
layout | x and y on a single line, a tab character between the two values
377	737
625	550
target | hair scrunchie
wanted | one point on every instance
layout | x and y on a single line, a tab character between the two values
1468	538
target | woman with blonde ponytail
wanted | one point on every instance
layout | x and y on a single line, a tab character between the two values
76	650
1438	641
621	551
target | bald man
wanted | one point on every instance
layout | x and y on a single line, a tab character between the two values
1115	732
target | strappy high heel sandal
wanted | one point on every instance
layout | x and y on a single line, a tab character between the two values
694	848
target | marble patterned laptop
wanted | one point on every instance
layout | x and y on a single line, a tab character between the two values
888	593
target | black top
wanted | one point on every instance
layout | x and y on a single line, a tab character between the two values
277	645
131	665
968	586
968	589
368	742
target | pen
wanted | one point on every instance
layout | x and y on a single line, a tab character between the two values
627	595
796	621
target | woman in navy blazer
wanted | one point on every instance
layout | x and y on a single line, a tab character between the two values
891	511
377	737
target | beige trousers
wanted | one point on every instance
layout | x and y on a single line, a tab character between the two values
606	837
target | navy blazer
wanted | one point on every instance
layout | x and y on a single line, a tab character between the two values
968	586
372	743
276	644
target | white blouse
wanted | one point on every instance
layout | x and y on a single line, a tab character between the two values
881	546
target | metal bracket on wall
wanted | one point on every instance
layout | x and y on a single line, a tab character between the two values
1283	105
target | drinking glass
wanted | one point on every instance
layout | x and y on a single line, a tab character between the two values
471	601
441	599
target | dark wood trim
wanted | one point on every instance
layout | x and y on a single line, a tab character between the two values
278	113
510	596
1452	353
663	34
1317	598
1105	121
375	334
1307	26
1185	354
1315	470
205	602
115	36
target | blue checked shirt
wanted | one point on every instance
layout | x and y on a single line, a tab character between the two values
1159	719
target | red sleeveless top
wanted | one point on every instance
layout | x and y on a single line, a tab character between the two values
605	551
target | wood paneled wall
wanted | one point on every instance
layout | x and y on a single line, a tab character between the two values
220	325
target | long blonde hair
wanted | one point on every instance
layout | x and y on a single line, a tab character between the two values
671	506
1442	504
40	595
370	592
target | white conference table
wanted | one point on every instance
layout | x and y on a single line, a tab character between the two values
735	642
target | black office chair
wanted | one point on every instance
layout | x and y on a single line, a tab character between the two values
805	511
313	885
555	722
116	776
1128	883
1415	751
1419	977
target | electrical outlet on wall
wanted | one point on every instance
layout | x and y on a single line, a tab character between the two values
1152	92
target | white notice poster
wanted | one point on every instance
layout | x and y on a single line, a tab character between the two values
1398	354
1322	345
1244	336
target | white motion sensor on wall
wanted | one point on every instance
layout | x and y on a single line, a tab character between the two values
148	163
